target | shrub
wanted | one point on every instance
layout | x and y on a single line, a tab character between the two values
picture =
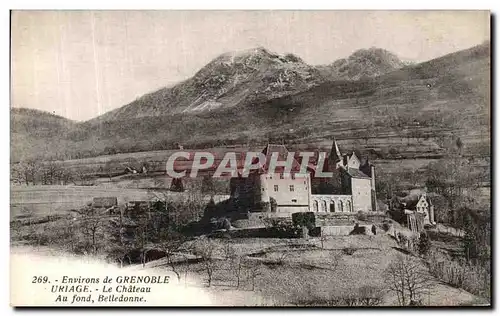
474	278
282	229
361	216
315	232
386	226
304	219
274	205
226	224
358	230
349	251
264	206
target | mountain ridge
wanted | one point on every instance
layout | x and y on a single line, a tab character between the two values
450	92
247	76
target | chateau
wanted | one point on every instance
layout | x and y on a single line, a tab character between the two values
351	188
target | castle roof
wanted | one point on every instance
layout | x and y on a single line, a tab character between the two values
335	154
282	153
356	173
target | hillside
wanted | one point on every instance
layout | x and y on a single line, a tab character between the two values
256	96
35	132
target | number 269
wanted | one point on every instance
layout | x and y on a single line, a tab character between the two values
40	279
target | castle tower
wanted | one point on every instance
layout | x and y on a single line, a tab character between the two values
335	156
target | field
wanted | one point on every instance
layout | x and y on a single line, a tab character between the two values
51	200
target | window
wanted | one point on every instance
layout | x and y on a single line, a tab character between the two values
263	189
332	207
293	176
282	176
292	189
294	200
275	188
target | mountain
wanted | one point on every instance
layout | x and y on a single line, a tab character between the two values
363	63
227	81
252	76
256	96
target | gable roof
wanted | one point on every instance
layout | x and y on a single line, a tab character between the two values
412	204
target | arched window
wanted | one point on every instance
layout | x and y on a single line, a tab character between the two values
341	206
325	206
348	206
332	206
316	206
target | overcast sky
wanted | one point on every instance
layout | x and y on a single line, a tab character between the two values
80	64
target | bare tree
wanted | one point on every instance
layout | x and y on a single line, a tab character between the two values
205	248
335	259
238	262
170	244
229	251
254	273
409	279
370	296
91	224
322	238
142	236
236	258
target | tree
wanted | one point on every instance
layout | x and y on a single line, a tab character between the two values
119	246
254	273
142	236
208	185
407	277
205	249
424	244
238	262
477	236
51	172
450	178
274	204
26	171
91	224
177	185
170	244
236	258
323	237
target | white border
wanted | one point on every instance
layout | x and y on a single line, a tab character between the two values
186	4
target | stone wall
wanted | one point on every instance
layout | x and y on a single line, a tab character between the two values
335	219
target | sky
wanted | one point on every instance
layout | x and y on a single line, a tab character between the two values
81	64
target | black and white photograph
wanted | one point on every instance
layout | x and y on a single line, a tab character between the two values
250	158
